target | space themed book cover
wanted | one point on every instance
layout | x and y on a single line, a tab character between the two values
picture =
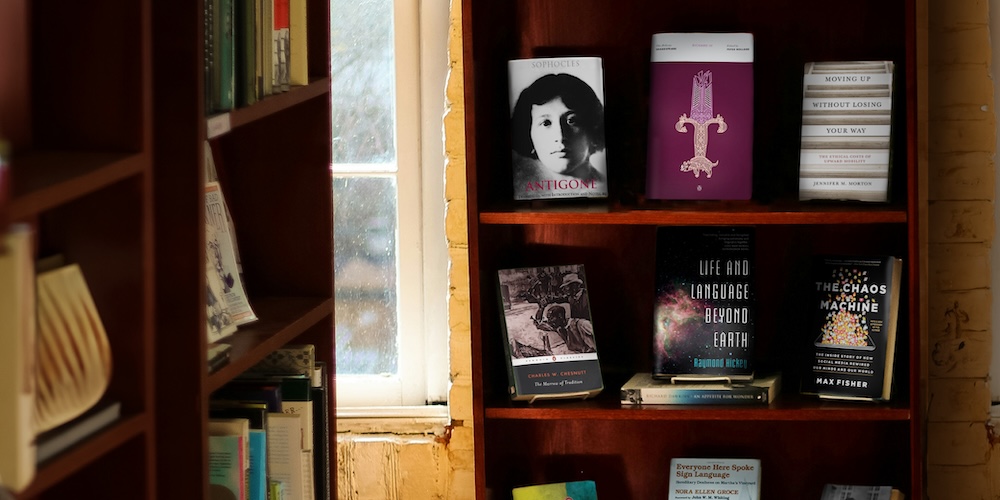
705	303
853	334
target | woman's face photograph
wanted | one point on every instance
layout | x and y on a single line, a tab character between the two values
559	141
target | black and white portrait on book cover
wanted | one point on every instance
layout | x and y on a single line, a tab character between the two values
557	128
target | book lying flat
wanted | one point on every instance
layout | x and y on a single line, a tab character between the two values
642	388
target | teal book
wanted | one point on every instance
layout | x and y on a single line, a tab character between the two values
257	489
573	490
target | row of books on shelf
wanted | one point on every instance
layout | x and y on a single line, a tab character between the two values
701	124
253	49
707	479
269	430
704	326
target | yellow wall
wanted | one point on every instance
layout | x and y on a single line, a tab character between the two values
960	148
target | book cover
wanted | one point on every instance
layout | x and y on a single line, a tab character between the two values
846	137
230	471
285	457
714	479
856	492
557	128
548	333
642	388
571	490
18	358
705	303
853	332
701	117
222	256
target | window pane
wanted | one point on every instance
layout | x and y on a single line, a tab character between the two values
365	274
363	82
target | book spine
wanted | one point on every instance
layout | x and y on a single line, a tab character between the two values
298	63
676	395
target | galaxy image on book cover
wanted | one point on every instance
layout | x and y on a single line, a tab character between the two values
704	302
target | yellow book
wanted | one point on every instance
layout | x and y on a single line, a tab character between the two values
17	359
298	66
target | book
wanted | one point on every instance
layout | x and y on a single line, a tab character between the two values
298	43
714	478
218	355
228	458
55	441
281	44
548	334
571	490
18	344
855	303
557	128
846	139
321	426
701	117
285	455
642	389
256	416
245	40
857	492
705	303
219	241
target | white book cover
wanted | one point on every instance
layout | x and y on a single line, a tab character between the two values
284	453
222	257
557	128
714	479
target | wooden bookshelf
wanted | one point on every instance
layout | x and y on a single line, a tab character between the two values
802	442
273	160
76	108
102	105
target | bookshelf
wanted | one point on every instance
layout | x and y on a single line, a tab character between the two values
802	442
273	160
102	105
81	176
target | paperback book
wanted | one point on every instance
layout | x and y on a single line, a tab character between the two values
714	479
857	492
701	117
572	490
557	128
548	333
643	389
705	303
846	131
853	334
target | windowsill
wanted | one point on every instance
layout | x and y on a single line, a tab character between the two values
428	420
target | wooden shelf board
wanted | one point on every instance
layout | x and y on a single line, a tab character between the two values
267	106
282	319
42	180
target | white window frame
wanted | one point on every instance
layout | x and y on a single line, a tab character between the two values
421	36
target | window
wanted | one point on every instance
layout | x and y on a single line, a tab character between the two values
389	63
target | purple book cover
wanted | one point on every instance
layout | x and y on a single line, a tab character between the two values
701	117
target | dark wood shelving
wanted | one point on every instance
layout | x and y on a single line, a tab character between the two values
626	449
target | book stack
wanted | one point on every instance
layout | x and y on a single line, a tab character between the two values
284	400
846	131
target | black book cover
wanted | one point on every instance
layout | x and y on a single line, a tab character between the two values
852	337
704	302
548	333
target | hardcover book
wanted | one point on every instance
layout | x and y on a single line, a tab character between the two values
700	117
557	128
548	334
853	333
846	131
572	490
714	478
642	389
705	303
